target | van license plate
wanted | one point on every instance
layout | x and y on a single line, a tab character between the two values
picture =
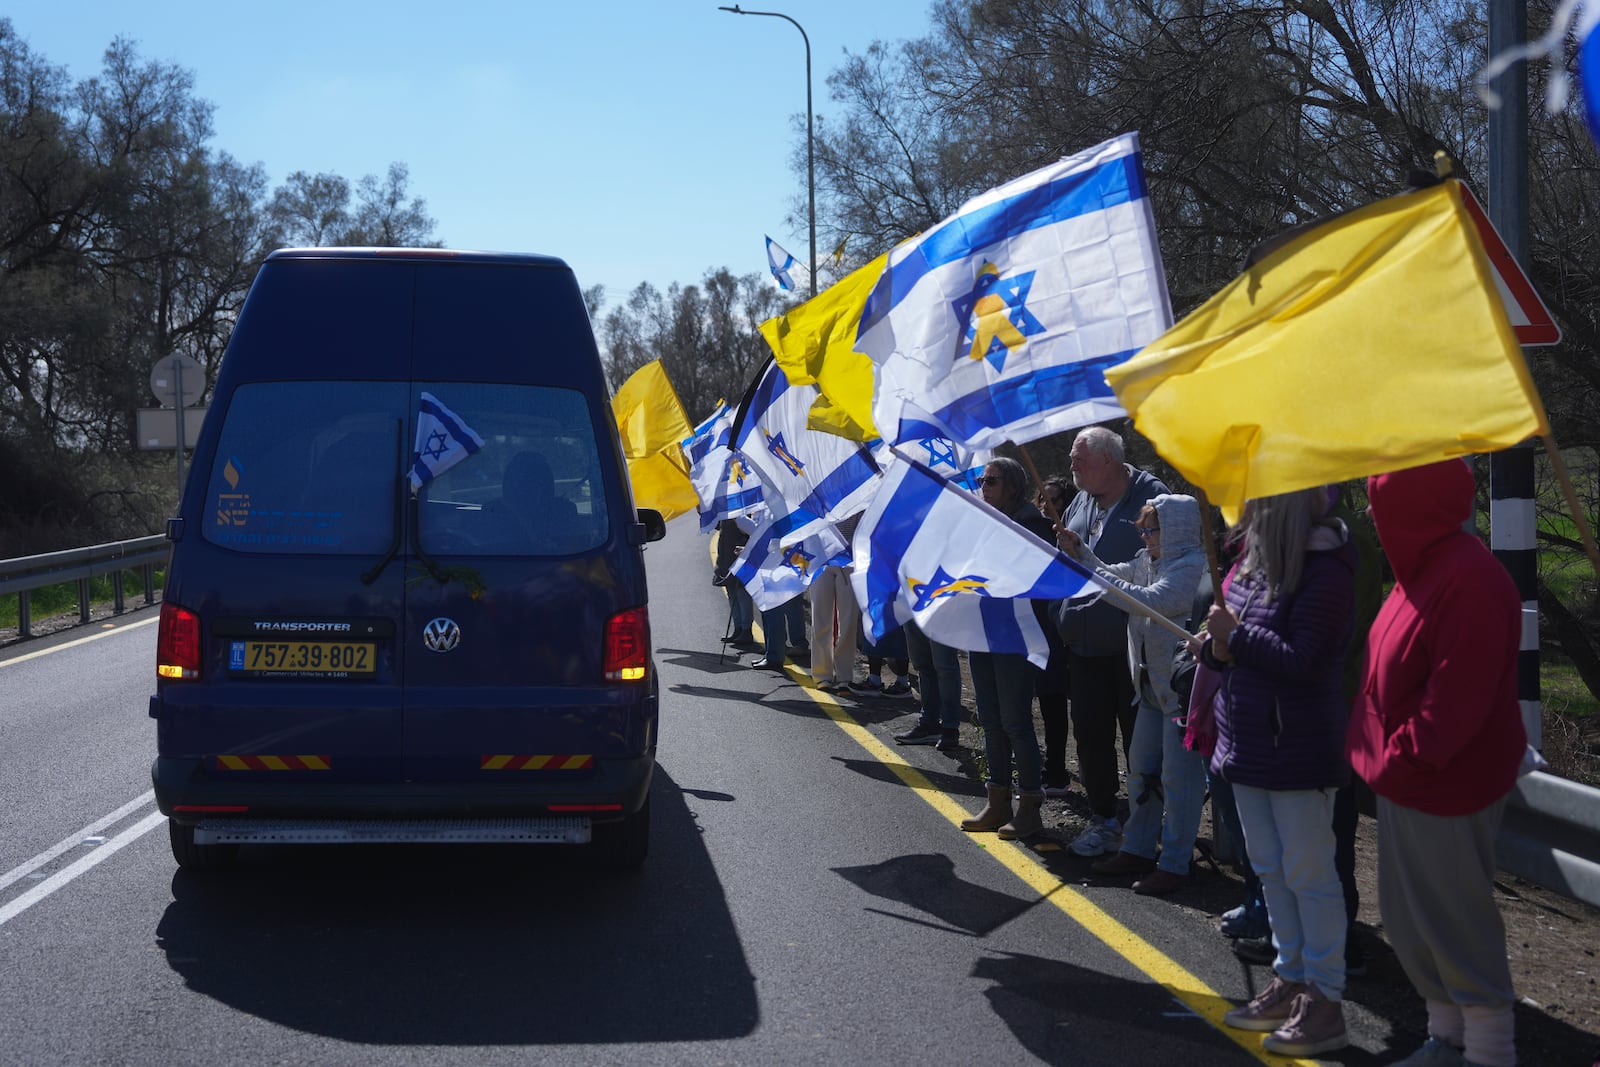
303	659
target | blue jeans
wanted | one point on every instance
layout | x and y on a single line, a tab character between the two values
1002	682
1290	837
1166	788
939	669
783	626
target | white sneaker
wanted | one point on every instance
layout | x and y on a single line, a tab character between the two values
1102	836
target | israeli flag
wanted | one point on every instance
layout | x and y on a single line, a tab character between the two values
999	322
443	440
929	551
711	432
718	481
781	264
801	470
951	460
780	560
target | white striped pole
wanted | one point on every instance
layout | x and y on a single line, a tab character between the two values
1512	528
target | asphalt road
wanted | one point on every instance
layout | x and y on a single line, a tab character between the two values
809	899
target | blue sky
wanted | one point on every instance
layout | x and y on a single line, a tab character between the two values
640	140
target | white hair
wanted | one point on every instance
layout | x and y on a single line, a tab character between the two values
1101	440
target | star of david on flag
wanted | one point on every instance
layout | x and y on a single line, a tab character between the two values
443	440
997	316
998	323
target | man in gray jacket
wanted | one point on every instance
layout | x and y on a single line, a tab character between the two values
1110	495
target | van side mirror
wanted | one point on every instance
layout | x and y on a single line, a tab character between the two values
652	527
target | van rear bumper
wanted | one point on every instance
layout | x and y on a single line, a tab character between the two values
183	783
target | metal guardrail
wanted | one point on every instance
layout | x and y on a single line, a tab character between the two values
1550	835
23	575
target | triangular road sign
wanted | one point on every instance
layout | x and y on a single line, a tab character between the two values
1529	317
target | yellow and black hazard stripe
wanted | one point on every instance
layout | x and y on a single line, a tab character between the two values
536	763
274	763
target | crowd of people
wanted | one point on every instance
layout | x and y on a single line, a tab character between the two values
1292	686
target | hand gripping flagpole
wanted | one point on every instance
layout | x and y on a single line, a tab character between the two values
1133	607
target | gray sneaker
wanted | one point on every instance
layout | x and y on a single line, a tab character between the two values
919	735
1102	836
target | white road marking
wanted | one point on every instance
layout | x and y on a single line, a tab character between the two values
73	841
79	641
67	874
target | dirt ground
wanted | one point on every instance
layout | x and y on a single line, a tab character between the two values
1551	940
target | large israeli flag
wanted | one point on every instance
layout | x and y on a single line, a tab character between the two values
443	440
999	322
930	551
801	470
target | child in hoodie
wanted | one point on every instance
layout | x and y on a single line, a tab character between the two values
1166	781
1437	732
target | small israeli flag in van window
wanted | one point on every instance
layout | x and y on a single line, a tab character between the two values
443	440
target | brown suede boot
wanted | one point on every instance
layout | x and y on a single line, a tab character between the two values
994	815
1027	821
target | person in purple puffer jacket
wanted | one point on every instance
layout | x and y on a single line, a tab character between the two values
1280	640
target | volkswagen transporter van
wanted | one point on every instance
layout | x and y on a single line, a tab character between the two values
407	597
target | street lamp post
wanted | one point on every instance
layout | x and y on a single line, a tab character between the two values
811	167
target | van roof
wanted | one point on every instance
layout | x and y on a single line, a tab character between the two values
522	259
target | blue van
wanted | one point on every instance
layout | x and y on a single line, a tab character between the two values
407	600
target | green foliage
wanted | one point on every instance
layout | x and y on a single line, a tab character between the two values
57	599
125	237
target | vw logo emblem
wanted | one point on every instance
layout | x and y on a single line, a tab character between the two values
441	635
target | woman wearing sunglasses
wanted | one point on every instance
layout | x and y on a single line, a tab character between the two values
1002	686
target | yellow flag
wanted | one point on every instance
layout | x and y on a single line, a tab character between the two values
649	414
1373	342
652	423
814	344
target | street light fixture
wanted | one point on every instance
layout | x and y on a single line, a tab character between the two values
811	171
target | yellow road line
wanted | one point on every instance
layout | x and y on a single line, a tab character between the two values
1166	972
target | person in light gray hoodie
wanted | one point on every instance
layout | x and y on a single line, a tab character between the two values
1166	781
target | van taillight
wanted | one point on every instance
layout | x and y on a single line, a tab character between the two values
178	643
627	651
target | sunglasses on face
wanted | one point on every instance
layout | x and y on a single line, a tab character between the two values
1148	532
989	479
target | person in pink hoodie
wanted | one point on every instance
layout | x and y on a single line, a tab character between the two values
1436	731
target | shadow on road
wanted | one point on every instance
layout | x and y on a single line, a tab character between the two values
471	945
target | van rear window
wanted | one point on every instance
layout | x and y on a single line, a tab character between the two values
311	467
308	467
534	486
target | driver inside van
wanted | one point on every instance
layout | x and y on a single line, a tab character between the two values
528	496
